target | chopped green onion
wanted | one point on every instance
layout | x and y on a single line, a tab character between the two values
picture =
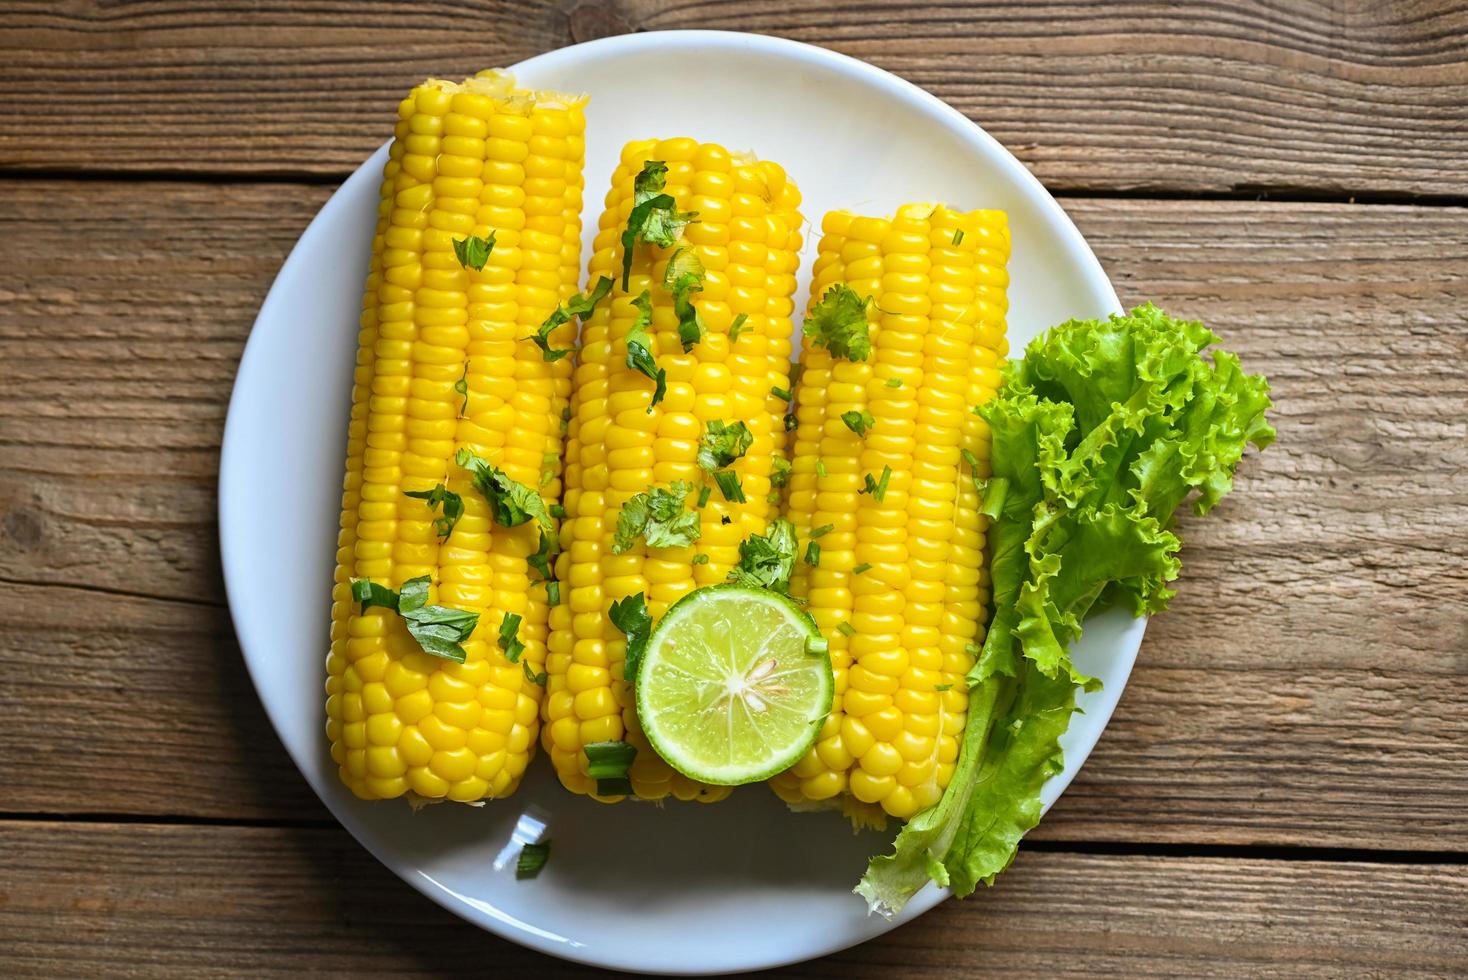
780	393
553	593
532	859
737	327
812	554
943	687
862	569
823	530
817	645
704	492
607	763
509	637
531	676
730	486
846	628
958	237
877	488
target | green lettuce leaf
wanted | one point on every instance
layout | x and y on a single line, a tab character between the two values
1099	436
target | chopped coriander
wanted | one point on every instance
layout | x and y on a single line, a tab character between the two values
510	502
453	507
553	593
791	422
779	471
704	492
639	349
766	561
737	327
773	497
723	443
439	630
510	637
894	382
577	306
944	687
658	516
607	763
532	858
877	488
724	519
630	615
858	422
683	278
462	387
370	594
839	323
780	393
540	559
531	676
655	217
557	511
846	629
813	554
958	237
730	486
700	559
823	530
821	468
862	569
473	252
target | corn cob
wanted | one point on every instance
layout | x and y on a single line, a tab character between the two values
901	587
619	444
441	367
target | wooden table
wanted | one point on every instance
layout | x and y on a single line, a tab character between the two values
1283	789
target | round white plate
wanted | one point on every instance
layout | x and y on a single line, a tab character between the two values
684	888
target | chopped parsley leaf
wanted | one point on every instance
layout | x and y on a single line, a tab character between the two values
473	252
858	422
531	676
453	507
540	559
766	561
683	278
779	471
439	630
577	306
510	637
510	502
657	516
839	323
462	387
630	615
813	554
723	443
655	217
639	349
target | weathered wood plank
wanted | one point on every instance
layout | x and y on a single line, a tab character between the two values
1240	96
101	899
1306	687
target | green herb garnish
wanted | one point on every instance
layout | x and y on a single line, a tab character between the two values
704	492
862	569
439	630
821	468
532	858
510	637
723	443
780	393
639	349
655	217
369	594
659	517
553	593
846	629
812	553
700	559
683	278
766	561
577	306
473	252
894	382
943	687
877	488
462	387
823	530
510	502
630	615
958	237
858	422
779	471
608	763
453	507
839	323
531	676
737	327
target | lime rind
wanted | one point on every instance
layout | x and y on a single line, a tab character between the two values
734	685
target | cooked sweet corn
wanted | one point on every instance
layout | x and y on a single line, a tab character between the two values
442	365
901	588
746	235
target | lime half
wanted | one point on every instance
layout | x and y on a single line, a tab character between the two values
734	686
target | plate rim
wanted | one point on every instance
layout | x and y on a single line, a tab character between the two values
501	923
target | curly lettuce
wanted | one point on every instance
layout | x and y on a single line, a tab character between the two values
1100	434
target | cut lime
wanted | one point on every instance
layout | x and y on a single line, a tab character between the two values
734	685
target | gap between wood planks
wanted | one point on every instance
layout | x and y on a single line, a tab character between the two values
1260	194
1260	852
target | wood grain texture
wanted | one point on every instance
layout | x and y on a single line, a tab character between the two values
1306	688
1242	96
146	901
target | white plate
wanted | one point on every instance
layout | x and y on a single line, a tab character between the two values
682	888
